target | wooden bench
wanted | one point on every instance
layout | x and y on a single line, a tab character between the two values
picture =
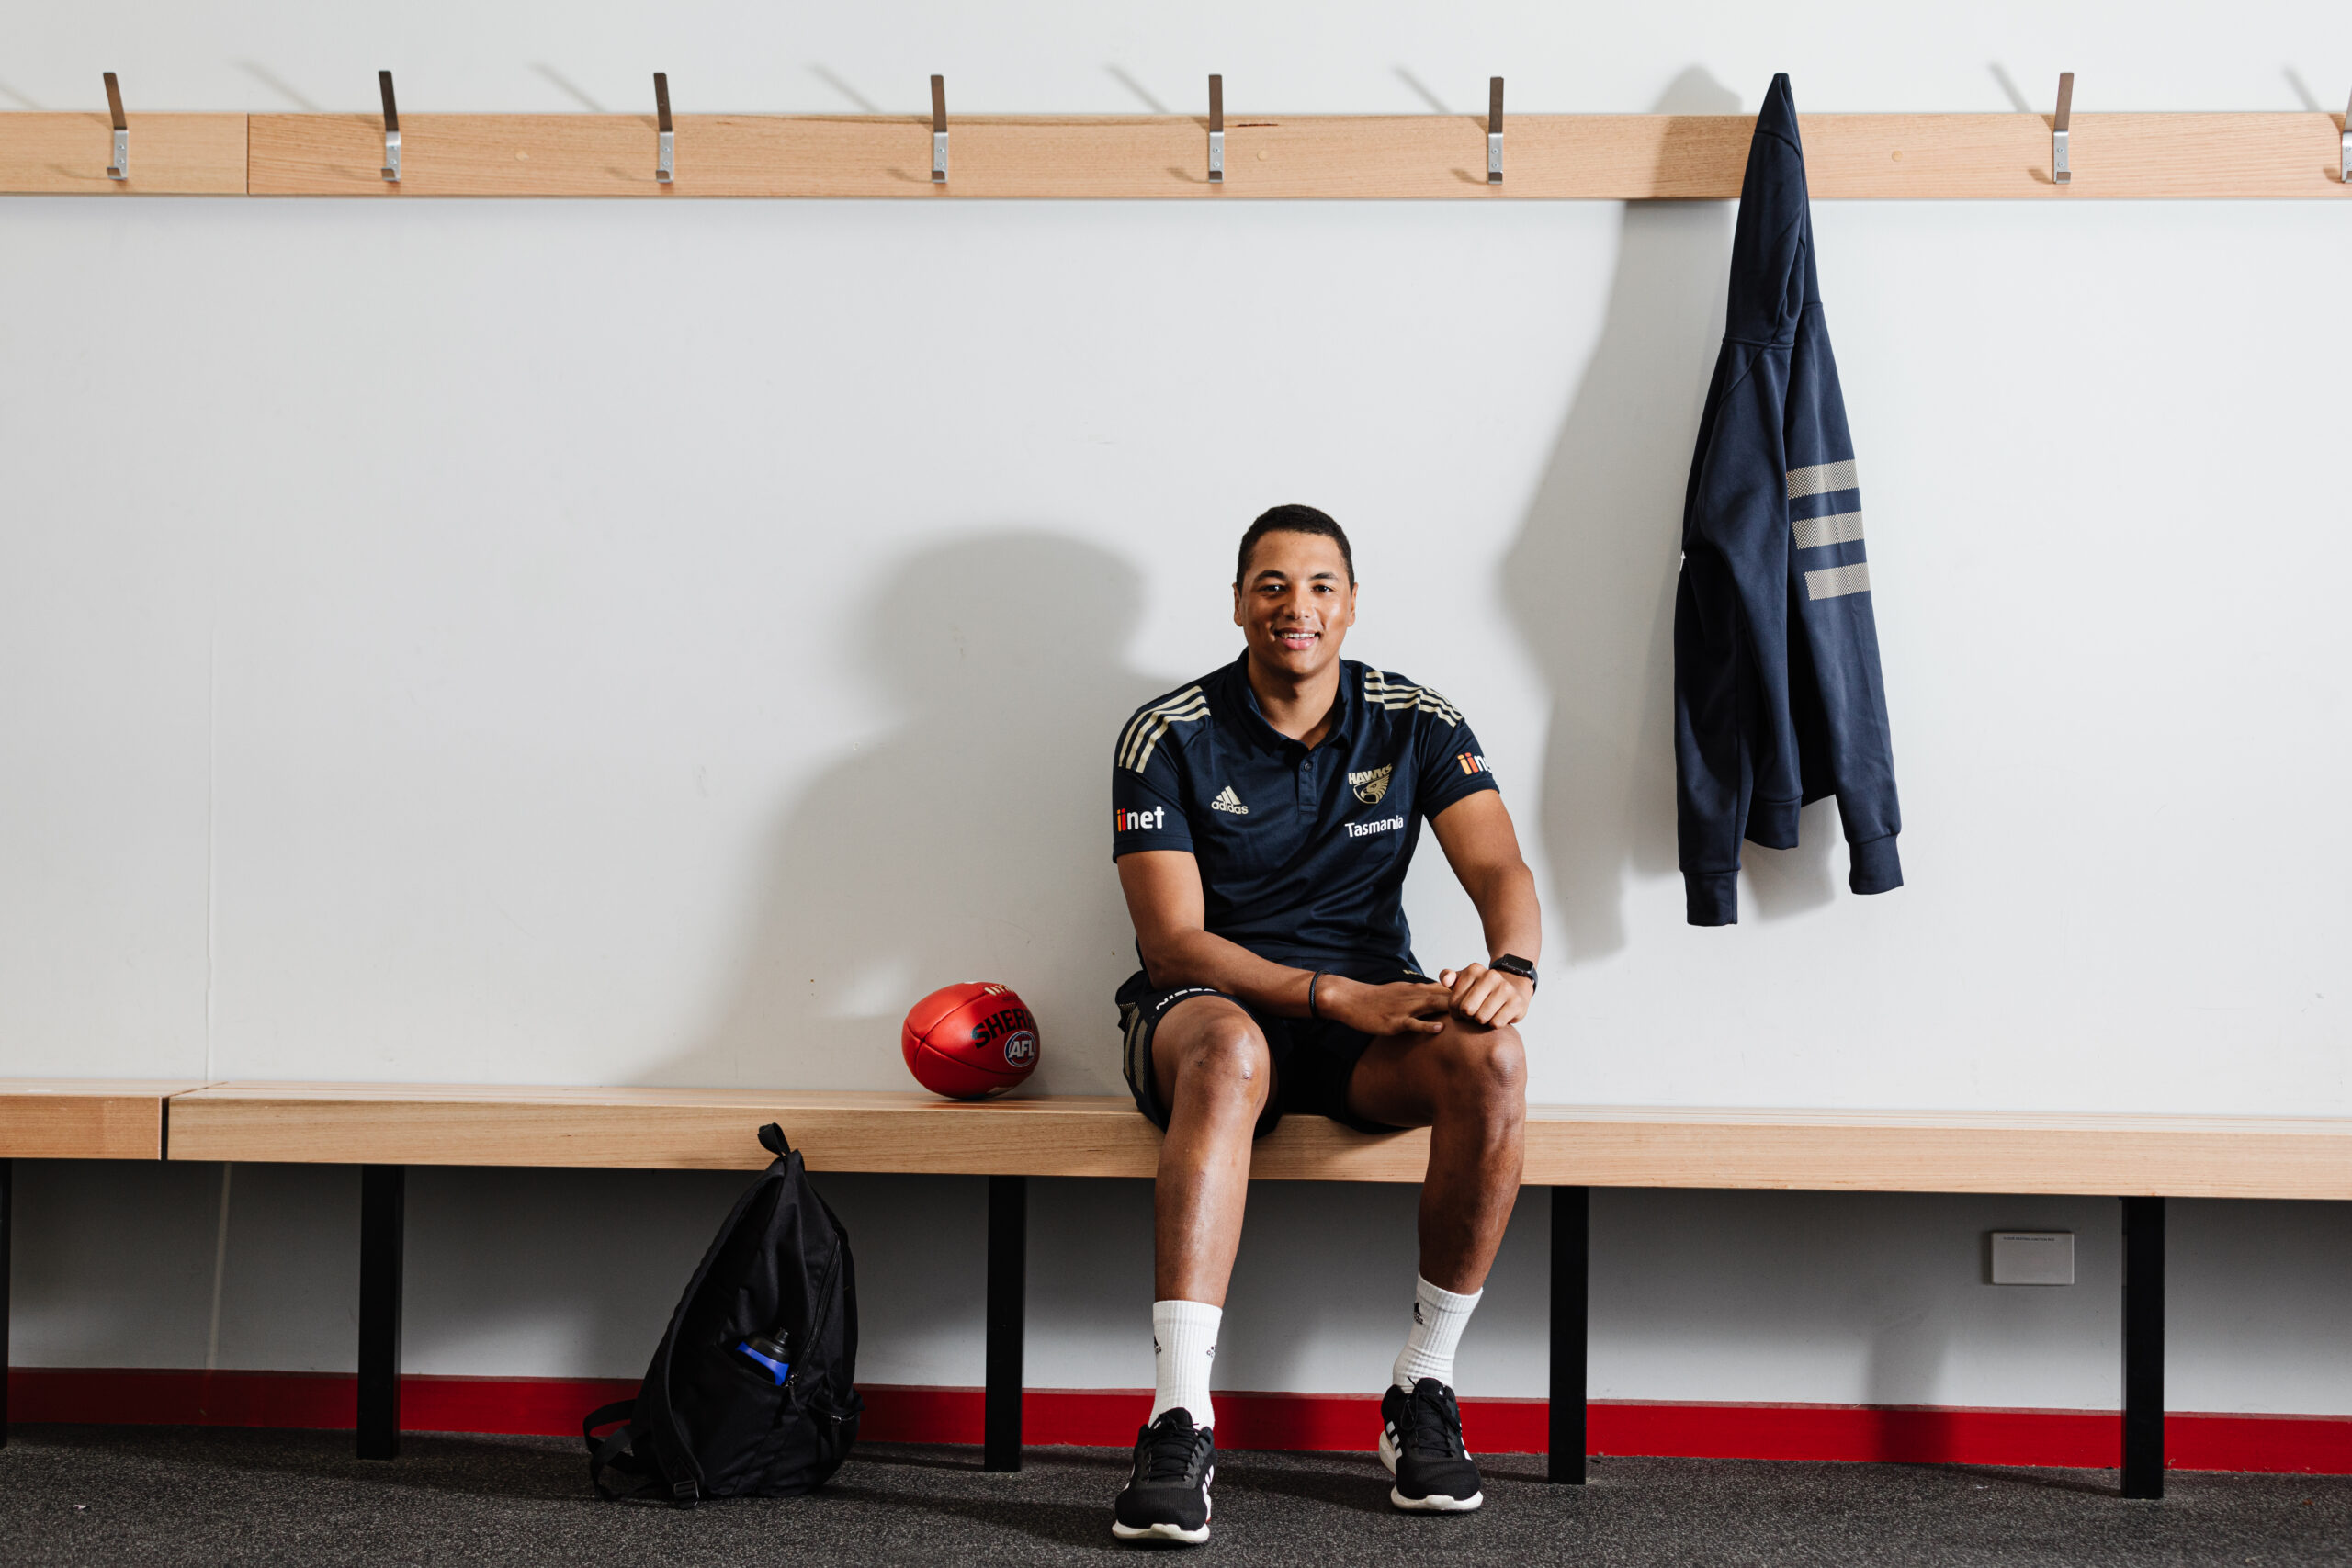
386	1128
85	1118
71	1119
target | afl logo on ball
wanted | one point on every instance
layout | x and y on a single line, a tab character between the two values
1020	1049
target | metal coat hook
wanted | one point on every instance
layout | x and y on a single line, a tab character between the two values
939	130
668	164
1494	130
2346	172
1216	130
2059	173
391	169
121	168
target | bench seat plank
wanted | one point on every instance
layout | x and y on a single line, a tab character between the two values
85	1118
659	1129
2177	1157
1102	1136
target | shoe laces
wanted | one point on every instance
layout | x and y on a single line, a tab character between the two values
1168	1450
1433	1420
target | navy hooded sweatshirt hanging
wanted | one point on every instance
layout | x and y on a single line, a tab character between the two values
1778	700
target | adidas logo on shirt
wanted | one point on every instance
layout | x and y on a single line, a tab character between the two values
1228	801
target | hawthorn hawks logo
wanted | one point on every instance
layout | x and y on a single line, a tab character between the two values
1371	787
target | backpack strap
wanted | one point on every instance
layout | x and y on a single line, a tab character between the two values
615	1453
611	1455
612	1452
772	1139
605	1416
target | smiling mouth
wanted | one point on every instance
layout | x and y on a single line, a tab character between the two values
1297	641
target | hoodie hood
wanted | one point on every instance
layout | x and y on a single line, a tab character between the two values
1771	251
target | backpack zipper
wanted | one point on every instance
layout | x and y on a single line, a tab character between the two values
824	1313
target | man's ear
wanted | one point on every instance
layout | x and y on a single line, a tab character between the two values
1237	605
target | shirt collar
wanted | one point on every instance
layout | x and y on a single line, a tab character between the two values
1346	710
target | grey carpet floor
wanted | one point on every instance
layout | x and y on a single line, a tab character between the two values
213	1497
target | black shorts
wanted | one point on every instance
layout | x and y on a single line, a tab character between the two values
1313	1058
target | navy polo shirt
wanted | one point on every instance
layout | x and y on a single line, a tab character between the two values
1302	853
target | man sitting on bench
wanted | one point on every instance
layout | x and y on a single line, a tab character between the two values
1263	817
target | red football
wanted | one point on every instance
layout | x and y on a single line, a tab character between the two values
969	1042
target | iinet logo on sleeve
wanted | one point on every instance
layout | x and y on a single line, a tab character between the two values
1126	821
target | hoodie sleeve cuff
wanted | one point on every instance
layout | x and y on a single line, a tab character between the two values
1712	897
1877	867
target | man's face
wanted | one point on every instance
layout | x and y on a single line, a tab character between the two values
1295	604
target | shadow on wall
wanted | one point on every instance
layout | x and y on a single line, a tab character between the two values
1857	1295
971	842
1591	579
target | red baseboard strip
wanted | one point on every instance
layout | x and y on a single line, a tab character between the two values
2301	1445
330	1401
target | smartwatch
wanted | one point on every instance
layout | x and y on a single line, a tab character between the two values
1512	963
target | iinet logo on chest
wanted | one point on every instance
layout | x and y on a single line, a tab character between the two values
1126	821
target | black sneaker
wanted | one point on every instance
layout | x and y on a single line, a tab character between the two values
1167	1499
1420	1442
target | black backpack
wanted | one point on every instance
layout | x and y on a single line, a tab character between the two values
752	1390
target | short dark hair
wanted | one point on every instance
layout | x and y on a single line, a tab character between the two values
1292	519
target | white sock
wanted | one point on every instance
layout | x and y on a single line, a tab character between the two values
1184	1343
1439	1317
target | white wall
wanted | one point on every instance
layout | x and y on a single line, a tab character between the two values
563	642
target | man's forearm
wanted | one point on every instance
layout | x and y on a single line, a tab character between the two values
1508	912
1198	958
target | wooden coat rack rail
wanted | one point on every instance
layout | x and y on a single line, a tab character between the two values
1360	157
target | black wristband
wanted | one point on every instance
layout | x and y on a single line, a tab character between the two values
1512	963
1311	980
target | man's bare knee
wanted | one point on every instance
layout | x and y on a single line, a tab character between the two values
1220	1062
1484	1070
1226	1056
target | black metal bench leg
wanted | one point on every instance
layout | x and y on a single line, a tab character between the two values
1571	1263
383	1206
1008	1277
7	1234
2143	1346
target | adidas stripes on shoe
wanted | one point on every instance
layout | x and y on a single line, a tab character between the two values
1167	1495
1420	1442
